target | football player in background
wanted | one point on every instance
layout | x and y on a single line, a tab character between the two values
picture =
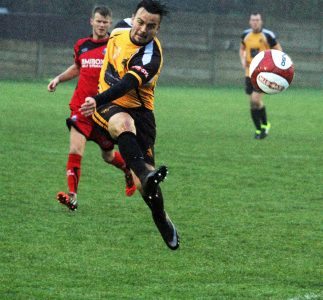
254	40
124	107
88	58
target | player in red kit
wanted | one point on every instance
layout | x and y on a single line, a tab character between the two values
88	58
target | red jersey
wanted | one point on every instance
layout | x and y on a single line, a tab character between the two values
88	55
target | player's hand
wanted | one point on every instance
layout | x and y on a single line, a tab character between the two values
88	107
53	84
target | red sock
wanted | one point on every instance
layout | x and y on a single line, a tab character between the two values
73	172
118	161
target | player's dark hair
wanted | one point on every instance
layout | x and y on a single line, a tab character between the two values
254	13
102	10
153	7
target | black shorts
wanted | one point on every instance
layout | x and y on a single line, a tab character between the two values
144	122
248	86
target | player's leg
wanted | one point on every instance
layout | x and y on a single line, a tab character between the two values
111	156
255	99
161	219
114	158
141	161
265	125
257	110
259	115
73	169
121	127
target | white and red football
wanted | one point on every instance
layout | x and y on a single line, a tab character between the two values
271	71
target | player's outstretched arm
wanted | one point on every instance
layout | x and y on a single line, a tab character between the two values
70	73
126	84
53	84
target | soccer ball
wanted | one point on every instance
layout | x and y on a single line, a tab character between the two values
271	71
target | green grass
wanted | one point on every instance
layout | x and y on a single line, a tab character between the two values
249	212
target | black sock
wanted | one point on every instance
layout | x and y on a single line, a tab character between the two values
255	115
263	115
131	153
156	204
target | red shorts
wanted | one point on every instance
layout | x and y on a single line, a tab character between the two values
86	126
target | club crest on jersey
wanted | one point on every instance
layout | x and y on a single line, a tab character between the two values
104	51
141	70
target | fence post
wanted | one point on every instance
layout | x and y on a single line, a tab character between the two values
321	38
39	59
211	49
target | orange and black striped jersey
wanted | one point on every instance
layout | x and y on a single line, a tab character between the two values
124	57
255	42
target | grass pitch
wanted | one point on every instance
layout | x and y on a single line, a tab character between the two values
249	212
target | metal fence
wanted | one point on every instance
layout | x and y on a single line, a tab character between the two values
199	48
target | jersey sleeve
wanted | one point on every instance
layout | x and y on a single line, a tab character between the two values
243	35
76	54
271	38
146	63
125	23
271	41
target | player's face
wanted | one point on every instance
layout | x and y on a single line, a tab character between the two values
144	26
100	26
255	22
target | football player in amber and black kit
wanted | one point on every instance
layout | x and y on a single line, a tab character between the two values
88	58
254	40
125	104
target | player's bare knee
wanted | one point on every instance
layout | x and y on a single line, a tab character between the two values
256	102
254	105
76	149
108	156
120	123
77	142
